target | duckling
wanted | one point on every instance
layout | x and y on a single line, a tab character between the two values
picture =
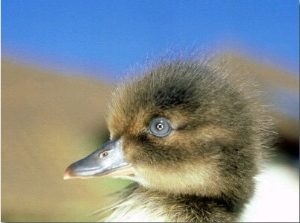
191	138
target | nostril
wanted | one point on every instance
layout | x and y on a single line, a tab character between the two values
103	154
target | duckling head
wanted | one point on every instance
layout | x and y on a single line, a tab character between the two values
182	128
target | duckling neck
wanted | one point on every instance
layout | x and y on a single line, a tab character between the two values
143	205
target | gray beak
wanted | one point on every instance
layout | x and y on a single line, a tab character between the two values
108	160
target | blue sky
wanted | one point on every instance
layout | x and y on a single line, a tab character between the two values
112	35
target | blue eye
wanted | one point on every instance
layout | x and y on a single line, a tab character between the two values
160	127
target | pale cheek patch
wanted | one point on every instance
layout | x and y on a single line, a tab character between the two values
197	178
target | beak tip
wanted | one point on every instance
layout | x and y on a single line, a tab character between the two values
67	175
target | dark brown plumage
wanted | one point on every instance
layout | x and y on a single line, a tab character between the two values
194	138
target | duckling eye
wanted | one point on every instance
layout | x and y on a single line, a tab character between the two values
160	127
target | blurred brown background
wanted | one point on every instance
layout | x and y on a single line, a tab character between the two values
50	120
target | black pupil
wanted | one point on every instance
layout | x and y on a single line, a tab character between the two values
160	126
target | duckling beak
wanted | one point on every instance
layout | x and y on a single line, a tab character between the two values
108	160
